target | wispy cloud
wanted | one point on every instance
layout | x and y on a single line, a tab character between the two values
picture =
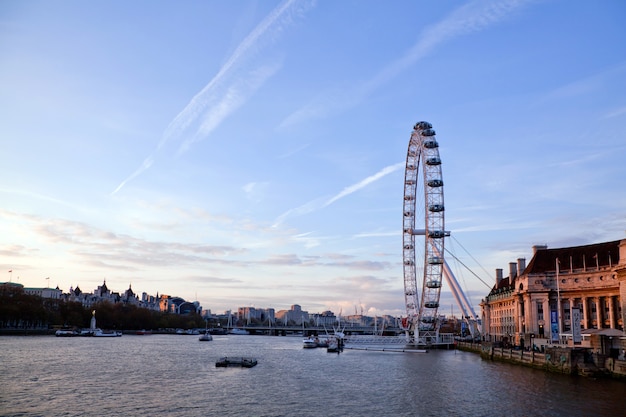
320	203
229	89
587	85
616	113
255	191
472	17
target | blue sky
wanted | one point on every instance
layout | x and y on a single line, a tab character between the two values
251	153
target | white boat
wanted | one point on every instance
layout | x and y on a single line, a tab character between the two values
333	346
65	333
336	341
188	332
323	343
309	343
206	337
238	331
100	333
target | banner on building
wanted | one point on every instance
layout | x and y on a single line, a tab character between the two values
576	335
554	325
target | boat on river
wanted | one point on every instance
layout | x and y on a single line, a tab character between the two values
240	362
315	342
309	343
65	333
322	343
97	333
333	347
102	333
188	332
206	337
239	331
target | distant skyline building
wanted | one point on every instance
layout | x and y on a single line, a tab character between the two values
52	293
164	303
294	315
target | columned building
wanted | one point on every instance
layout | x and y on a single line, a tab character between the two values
558	290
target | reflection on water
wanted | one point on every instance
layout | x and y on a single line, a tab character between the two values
176	376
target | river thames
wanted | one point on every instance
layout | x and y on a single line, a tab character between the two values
175	375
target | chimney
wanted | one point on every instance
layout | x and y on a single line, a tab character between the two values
512	271
498	276
539	247
521	265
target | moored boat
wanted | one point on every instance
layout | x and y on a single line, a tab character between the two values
323	343
333	347
206	337
238	331
101	333
310	342
65	333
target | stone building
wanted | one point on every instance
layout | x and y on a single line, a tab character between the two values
573	295
294	315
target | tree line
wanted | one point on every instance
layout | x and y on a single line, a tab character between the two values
19	310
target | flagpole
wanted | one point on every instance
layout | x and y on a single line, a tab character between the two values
558	299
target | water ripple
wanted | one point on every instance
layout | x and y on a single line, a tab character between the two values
176	376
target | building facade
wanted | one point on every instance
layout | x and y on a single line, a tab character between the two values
294	315
561	293
51	293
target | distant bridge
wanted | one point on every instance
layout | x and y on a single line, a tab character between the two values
357	337
317	330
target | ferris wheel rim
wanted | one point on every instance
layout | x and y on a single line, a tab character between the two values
422	303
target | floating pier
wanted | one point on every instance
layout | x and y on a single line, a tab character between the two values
241	362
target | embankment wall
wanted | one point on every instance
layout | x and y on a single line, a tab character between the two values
565	360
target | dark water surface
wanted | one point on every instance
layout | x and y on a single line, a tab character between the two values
172	375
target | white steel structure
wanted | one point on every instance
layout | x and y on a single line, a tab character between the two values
469	316
423	199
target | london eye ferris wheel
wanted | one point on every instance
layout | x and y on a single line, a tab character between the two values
423	202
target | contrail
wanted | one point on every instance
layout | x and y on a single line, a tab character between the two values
469	18
231	100
272	23
321	203
147	163
361	184
224	99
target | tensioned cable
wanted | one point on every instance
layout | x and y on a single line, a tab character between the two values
466	267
